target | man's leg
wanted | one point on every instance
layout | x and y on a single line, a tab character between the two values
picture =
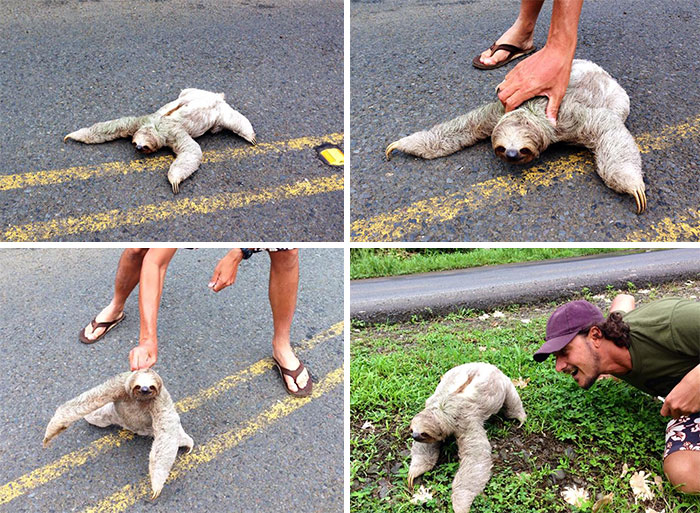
284	282
128	272
520	34
682	454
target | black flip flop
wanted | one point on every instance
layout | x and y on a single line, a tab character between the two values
513	53
108	325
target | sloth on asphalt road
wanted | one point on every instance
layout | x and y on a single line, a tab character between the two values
466	396
175	125
137	401
592	114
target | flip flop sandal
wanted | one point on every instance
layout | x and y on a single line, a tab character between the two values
294	374
108	325
513	53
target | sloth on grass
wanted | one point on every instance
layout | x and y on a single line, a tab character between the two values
592	114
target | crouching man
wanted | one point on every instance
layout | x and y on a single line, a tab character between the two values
655	348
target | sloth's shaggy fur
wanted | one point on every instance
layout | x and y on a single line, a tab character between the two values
466	396
136	401
592	114
175	125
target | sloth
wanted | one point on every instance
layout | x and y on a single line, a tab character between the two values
592	114
137	401
175	125
466	396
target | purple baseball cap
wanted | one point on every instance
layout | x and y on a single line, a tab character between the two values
564	325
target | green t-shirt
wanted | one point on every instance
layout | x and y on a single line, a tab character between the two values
664	344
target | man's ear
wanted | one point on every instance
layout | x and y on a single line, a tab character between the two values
596	335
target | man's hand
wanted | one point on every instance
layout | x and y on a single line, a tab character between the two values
544	73
226	270
143	356
684	399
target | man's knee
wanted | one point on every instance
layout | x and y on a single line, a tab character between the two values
135	253
683	470
285	260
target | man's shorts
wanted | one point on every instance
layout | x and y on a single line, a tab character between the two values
683	434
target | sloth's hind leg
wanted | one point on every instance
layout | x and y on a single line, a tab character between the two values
104	416
107	130
233	120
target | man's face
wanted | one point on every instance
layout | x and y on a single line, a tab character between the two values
579	359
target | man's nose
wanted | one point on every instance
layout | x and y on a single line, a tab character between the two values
560	364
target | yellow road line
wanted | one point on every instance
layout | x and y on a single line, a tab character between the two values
53	470
97	222
192	402
102	445
683	228
54	176
129	494
395	225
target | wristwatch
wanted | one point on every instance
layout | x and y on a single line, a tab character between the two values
247	253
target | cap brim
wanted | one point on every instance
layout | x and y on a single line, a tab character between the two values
552	346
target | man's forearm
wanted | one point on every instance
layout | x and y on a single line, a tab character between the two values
563	29
155	265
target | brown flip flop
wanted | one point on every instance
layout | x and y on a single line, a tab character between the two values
514	53
108	325
294	374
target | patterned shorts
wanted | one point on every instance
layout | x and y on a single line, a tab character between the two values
683	434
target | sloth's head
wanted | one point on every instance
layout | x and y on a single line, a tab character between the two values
520	135
428	426
146	139
144	384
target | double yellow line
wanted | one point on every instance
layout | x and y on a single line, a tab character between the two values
397	224
74	459
177	208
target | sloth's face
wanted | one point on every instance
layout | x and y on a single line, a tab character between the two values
145	140
424	428
144	385
514	139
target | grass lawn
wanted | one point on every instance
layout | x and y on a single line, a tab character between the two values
375	262
572	437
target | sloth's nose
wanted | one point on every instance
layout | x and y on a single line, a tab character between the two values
512	153
416	436
145	390
139	147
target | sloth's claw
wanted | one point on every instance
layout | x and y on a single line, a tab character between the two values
641	199
410	481
389	149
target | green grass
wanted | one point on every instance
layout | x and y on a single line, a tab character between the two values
373	262
394	368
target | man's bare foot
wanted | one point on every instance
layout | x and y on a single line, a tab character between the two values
516	36
108	314
288	360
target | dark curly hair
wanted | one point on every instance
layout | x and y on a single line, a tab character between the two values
613	328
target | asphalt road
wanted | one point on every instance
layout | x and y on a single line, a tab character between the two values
65	64
411	68
256	448
400	297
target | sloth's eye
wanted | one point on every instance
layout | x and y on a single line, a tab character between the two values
500	149
146	148
525	151
153	388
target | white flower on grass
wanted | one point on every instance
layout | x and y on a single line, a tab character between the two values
640	486
483	317
643	291
520	382
649	510
482	348
575	496
498	314
625	469
367	425
526	321
422	496
599	296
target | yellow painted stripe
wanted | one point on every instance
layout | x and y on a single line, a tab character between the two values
229	382
397	224
55	176
90	223
53	470
128	495
683	228
102	445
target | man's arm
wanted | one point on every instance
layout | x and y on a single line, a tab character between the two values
546	72
153	269
684	399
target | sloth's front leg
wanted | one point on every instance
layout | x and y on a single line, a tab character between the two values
451	136
107	130
189	156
